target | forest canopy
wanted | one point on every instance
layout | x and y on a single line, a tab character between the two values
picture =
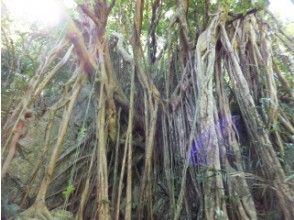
147	109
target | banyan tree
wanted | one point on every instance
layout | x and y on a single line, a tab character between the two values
150	110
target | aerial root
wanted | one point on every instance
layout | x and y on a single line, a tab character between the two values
36	211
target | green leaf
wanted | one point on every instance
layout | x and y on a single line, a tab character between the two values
68	191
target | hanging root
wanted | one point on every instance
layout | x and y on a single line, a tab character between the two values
31	95
271	166
20	131
85	192
194	159
39	208
37	211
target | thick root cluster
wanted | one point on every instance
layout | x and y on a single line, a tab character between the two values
36	211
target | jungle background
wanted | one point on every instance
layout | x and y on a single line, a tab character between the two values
154	109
